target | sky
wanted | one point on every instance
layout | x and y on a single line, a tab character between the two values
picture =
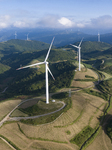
80	14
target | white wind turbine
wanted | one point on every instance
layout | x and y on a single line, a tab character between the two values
98	37
27	36
15	35
79	49
46	71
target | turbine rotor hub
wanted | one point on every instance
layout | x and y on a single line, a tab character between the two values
46	62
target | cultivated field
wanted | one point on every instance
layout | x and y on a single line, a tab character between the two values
7	106
74	120
81	75
4	146
102	141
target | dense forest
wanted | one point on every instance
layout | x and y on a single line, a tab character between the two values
32	80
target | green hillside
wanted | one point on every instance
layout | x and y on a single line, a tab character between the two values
94	49
102	54
32	80
14	46
24	58
89	46
90	49
3	68
24	45
106	65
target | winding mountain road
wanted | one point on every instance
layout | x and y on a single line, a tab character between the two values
37	116
8	118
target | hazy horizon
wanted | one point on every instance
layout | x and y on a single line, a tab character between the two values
83	15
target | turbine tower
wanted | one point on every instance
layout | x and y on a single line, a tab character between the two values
27	37
79	51
98	37
46	71
15	35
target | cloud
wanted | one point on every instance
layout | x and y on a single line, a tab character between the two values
48	21
101	22
4	21
65	22
20	24
55	21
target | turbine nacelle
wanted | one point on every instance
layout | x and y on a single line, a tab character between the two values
46	62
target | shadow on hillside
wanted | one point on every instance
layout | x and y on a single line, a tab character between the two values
95	106
106	123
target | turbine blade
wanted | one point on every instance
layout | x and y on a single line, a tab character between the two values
50	72
31	65
74	46
49	50
80	42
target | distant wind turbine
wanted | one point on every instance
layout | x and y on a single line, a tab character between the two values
79	49
46	71
27	36
98	37
15	35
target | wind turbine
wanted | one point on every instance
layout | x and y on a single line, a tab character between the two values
98	37
27	36
79	49
15	35
46	71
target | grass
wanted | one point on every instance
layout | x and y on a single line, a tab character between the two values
87	76
60	95
7	106
74	121
41	108
39	138
48	118
95	113
49	146
91	138
107	76
98	141
86	80
11	143
4	145
43	119
100	74
68	132
18	113
81	80
13	134
105	96
82	136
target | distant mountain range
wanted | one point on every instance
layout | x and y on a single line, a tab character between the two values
62	37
